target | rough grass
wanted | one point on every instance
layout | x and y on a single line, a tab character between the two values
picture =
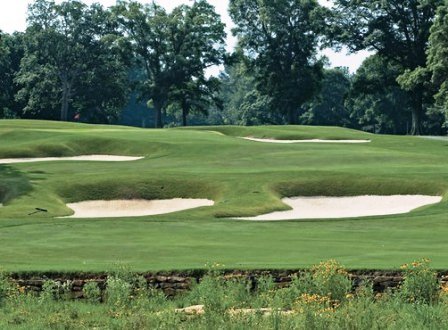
245	178
12	184
319	299
287	132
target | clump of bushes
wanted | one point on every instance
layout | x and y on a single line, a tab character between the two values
327	279
320	298
53	290
92	292
420	283
5	287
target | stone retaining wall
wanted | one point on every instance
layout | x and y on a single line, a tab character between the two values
174	283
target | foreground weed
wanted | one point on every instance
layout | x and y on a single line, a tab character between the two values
55	290
420	283
118	292
318	299
6	287
331	279
92	292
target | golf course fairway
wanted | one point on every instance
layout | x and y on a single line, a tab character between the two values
243	178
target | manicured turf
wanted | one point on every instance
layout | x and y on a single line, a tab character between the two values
245	178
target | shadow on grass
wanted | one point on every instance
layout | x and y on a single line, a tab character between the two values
12	184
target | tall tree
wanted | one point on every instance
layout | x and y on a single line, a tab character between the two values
280	43
11	53
68	44
236	83
197	95
328	107
376	102
175	50
398	30
197	41
243	104
146	29
438	58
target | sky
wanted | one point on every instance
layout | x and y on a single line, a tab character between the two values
13	18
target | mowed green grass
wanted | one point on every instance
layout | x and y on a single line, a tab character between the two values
243	177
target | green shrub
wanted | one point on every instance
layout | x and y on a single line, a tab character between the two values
420	284
118	291
210	292
327	279
156	299
6	287
331	279
53	290
92	292
265	291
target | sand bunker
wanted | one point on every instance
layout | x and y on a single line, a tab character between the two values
305	141
441	138
134	208
91	158
347	207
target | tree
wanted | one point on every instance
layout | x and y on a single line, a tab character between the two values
197	38
70	61
397	30
255	109
280	40
438	58
328	107
197	95
174	50
243	104
11	53
236	83
376	102
145	28
102	90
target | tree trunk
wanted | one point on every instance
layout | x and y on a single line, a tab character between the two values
184	113
417	112
292	116
158	111
66	91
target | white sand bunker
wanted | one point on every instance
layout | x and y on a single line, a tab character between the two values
347	207
91	158
134	208
305	141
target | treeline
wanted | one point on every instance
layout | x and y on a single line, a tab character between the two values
138	64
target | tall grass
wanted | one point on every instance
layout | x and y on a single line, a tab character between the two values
321	298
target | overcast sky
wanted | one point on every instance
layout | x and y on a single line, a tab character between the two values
13	18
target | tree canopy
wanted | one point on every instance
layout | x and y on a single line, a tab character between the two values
328	107
174	49
375	101
438	58
397	30
279	41
139	64
12	49
70	61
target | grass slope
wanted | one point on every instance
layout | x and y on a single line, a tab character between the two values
245	178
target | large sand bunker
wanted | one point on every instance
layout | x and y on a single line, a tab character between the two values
91	158
305	141
347	207
134	208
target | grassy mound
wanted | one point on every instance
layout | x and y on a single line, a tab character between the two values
12	184
243	178
289	132
133	188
